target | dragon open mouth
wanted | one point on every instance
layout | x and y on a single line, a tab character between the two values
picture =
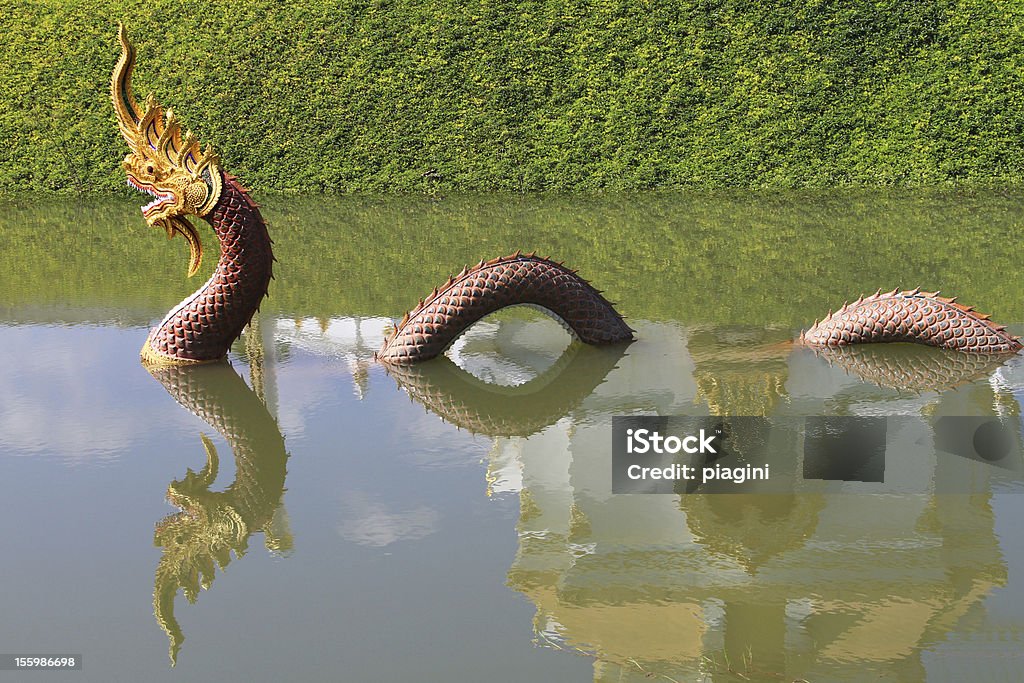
159	197
172	224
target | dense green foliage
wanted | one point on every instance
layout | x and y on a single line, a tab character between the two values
373	95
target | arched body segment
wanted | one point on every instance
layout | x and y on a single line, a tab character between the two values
912	316
426	331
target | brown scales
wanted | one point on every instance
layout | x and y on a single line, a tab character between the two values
203	326
912	316
427	330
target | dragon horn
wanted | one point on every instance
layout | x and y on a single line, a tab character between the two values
125	105
163	609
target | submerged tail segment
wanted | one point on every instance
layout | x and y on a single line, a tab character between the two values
912	316
427	330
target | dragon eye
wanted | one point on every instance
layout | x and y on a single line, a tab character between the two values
149	169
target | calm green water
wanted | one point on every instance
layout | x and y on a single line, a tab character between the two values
303	514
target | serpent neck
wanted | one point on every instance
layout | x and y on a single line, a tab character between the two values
204	325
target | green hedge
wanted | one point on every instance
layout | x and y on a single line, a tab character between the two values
359	96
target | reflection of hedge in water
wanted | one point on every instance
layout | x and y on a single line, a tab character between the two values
469	403
743	259
747	260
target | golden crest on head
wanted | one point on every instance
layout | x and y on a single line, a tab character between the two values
181	178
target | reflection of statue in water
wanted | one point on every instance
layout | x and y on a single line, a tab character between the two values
911	367
483	408
743	371
214	524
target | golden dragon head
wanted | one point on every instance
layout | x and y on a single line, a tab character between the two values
181	178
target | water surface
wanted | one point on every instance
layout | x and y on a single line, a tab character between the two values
301	513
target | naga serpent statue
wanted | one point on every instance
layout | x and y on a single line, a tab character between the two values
187	181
